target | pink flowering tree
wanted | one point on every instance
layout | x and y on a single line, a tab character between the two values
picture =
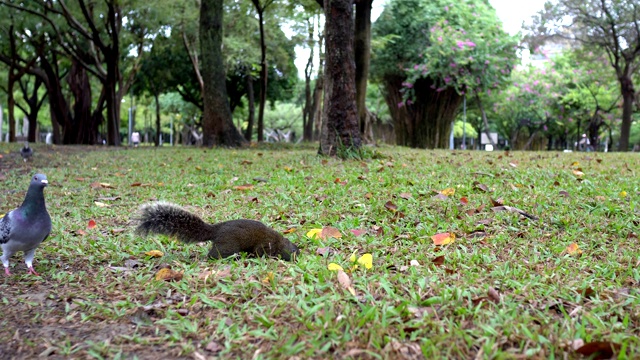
435	53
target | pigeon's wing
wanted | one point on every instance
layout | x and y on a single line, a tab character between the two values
45	237
5	228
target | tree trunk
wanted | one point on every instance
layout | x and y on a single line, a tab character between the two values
340	132
157	98
425	123
252	106
485	121
315	122
217	123
362	47
307	114
263	73
628	92
11	104
81	130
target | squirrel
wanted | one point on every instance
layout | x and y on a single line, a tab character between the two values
228	237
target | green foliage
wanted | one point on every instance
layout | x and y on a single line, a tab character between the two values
465	46
458	131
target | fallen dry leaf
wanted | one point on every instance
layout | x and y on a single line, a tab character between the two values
391	206
599	349
443	238
244	187
345	282
573	249
167	274
91	224
154	253
405	195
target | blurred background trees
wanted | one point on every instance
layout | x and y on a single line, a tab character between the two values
78	69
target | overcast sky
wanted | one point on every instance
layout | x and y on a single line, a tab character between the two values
511	12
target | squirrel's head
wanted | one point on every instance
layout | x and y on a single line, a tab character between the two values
289	251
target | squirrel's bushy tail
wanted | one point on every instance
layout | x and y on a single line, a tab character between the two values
172	220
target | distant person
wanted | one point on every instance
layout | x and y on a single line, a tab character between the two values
584	144
135	139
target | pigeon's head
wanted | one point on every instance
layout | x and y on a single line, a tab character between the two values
39	180
26	145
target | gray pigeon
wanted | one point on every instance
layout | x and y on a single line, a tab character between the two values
26	152
24	228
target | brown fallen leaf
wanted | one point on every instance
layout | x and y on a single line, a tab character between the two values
244	187
167	274
405	195
345	282
330	232
494	295
391	206
326	251
599	350
438	260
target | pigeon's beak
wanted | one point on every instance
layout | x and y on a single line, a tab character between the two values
44	182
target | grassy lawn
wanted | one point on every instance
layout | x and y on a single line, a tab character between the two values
508	287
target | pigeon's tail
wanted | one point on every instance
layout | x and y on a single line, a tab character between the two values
172	220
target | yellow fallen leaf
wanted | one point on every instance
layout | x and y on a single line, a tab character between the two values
352	258
623	194
101	204
366	260
334	267
154	253
443	238
314	233
448	191
573	249
575	164
198	168
269	278
578	173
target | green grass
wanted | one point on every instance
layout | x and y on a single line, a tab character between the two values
89	302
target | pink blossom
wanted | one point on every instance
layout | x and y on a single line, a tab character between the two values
545	128
446	8
536	82
447	80
440	38
486	62
415	67
470	58
452	65
439	89
470	43
400	104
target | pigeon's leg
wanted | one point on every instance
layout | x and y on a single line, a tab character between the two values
28	259
6	254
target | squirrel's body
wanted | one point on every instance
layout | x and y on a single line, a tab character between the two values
228	237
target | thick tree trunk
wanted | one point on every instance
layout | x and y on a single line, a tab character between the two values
252	106
81	130
362	47
628	92
340	131
425	122
217	123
